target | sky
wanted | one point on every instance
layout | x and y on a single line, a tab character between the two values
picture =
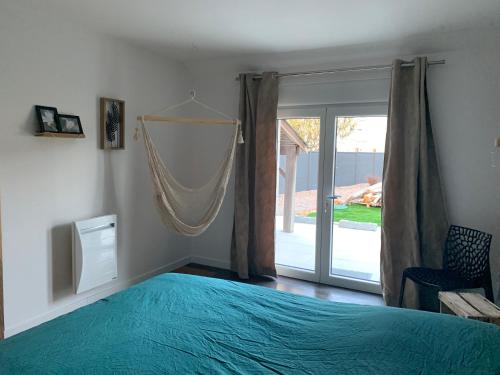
368	136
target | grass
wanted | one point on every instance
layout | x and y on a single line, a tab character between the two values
356	212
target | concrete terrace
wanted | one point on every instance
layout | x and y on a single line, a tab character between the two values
356	253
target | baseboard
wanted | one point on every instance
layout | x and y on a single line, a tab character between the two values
212	262
107	290
94	296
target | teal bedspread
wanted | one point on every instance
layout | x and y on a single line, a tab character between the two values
181	324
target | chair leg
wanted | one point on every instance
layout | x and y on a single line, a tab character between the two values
402	290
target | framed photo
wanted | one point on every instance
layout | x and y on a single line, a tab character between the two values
47	118
70	124
112	124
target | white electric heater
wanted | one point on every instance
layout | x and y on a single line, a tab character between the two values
94	252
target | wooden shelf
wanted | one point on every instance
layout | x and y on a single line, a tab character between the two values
60	135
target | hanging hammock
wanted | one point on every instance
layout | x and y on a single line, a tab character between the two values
188	211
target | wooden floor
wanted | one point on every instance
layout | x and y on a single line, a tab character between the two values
286	284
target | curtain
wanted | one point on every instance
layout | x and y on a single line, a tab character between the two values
414	214
252	248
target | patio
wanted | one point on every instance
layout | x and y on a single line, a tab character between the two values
356	253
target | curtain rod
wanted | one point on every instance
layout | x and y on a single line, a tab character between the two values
346	69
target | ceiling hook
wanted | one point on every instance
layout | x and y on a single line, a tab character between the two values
192	93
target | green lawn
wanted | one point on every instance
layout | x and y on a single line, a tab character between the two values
356	212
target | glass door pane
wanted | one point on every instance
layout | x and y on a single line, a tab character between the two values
357	197
298	193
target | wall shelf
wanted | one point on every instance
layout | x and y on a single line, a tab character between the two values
60	135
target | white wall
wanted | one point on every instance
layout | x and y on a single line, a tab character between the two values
464	102
46	184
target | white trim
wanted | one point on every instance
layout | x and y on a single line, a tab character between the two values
91	298
297	273
211	262
353	284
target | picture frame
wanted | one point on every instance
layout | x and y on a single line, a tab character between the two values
112	114
70	124
47	119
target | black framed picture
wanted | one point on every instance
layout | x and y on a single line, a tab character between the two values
47	118
70	124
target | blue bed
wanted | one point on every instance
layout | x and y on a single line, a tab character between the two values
184	324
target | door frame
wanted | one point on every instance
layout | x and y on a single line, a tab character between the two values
324	238
334	111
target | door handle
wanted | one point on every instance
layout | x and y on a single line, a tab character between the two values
329	199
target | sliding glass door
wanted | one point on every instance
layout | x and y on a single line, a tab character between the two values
328	214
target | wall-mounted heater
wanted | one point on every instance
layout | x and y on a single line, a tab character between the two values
94	252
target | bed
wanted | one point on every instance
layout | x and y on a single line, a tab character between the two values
184	324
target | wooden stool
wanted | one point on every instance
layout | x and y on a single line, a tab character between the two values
469	306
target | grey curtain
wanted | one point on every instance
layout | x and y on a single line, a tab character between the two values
252	249
414	214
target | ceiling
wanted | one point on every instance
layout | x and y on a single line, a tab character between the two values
196	29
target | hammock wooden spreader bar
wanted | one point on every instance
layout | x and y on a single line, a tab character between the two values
187	120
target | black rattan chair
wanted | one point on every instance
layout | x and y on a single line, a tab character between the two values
466	264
